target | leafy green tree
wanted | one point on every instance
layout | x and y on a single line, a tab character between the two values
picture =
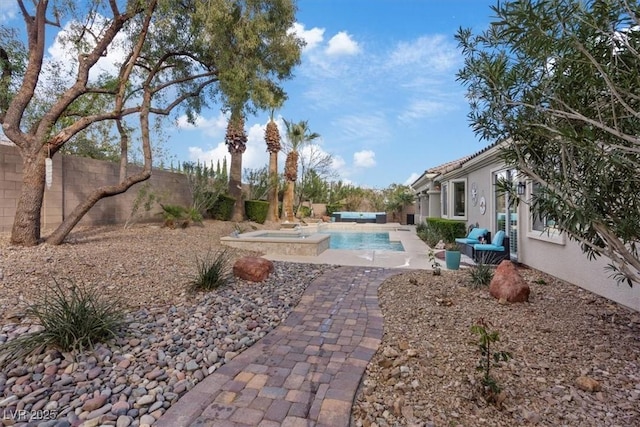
557	82
315	188
314	164
173	56
258	183
397	198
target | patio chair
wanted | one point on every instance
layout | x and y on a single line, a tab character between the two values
473	238
494	252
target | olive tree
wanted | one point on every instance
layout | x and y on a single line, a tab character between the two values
172	56
557	82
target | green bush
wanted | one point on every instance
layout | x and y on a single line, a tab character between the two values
427	234
72	319
256	210
222	208
176	216
213	271
446	229
333	207
303	212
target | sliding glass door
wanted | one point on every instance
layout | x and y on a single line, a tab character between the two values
505	218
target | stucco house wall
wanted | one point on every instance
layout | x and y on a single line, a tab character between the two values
555	255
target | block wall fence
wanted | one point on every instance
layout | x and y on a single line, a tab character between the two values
73	179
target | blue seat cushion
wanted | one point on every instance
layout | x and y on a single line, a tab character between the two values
488	247
498	238
476	233
473	237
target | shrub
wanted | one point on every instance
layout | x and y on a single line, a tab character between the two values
73	319
446	229
213	271
179	216
256	210
303	212
482	273
222	208
333	207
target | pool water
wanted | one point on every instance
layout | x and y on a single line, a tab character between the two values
362	241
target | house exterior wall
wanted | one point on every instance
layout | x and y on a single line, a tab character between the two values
564	259
73	179
557	256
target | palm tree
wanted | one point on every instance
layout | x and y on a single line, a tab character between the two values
298	135
272	139
236	140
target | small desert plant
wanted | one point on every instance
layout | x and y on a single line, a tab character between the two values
481	274
176	216
146	198
73	318
435	265
490	386
212	271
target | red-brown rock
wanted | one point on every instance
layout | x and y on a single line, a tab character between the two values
508	285
252	268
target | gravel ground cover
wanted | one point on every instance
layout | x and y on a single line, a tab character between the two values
174	338
423	374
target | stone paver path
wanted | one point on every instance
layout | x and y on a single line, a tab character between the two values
303	373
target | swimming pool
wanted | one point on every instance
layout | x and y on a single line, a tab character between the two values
362	241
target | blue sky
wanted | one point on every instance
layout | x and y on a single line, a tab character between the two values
377	82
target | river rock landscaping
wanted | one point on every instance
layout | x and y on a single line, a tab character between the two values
575	356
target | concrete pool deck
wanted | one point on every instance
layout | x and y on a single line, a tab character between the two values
414	255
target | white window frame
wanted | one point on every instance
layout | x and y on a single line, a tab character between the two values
548	235
444	199
452	202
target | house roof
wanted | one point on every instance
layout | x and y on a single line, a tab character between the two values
454	164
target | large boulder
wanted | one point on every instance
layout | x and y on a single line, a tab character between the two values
508	285
252	268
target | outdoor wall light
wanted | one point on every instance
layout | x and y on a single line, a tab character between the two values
522	187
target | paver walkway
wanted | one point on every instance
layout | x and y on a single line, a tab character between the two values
303	373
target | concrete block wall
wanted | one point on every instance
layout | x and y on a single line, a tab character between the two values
73	180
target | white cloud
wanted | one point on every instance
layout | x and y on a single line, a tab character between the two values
312	37
254	157
8	11
342	44
65	56
412	178
214	126
433	52
338	164
364	159
423	108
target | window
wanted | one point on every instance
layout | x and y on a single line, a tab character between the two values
459	197
445	200
543	228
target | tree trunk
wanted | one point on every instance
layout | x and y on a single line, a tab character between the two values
272	214
27	222
58	236
235	187
287	211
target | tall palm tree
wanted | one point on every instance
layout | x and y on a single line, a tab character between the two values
272	139
236	140
298	135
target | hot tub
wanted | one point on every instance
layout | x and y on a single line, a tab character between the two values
360	217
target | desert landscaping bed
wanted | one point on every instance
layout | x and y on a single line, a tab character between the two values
423	374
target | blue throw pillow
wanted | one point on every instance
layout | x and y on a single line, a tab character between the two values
476	233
